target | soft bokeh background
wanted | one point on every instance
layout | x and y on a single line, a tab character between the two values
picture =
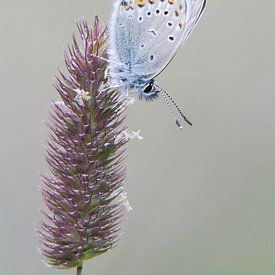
203	197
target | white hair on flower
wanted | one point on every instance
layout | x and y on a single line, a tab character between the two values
125	136
81	95
121	197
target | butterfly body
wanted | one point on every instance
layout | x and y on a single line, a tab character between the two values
144	37
131	82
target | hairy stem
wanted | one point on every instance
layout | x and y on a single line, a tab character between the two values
79	270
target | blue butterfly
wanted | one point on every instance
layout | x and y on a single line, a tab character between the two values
145	35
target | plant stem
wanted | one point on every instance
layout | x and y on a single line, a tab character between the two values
79	270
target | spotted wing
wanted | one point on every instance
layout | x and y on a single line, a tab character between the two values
146	34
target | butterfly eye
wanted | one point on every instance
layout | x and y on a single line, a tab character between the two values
149	92
148	88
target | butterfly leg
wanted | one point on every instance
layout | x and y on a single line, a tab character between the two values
107	60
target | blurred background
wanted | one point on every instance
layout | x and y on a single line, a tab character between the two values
203	197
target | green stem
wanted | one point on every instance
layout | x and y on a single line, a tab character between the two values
79	270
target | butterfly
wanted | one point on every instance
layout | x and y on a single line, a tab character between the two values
145	35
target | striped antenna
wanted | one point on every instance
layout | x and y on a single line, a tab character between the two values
170	109
166	96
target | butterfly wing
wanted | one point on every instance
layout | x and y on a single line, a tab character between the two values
146	34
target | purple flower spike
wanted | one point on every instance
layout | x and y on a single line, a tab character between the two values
84	193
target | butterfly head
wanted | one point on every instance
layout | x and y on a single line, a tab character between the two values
149	91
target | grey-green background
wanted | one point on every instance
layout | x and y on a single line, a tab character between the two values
203	197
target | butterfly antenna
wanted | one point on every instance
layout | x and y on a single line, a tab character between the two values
170	109
165	95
